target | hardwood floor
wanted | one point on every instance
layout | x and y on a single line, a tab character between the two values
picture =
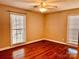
39	50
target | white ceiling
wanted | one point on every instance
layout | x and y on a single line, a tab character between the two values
28	4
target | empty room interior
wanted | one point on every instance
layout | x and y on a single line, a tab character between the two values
39	29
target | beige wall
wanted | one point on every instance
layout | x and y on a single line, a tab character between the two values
56	25
52	26
34	25
4	29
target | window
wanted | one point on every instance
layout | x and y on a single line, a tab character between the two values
17	28
73	29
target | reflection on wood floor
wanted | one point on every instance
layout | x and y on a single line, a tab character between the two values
40	50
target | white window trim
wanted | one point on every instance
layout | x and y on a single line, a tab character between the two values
24	27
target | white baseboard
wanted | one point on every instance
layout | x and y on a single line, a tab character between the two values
62	43
56	41
9	47
34	41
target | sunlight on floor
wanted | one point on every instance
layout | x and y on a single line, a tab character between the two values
72	53
18	54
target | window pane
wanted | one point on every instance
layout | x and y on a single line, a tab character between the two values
13	21
13	36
